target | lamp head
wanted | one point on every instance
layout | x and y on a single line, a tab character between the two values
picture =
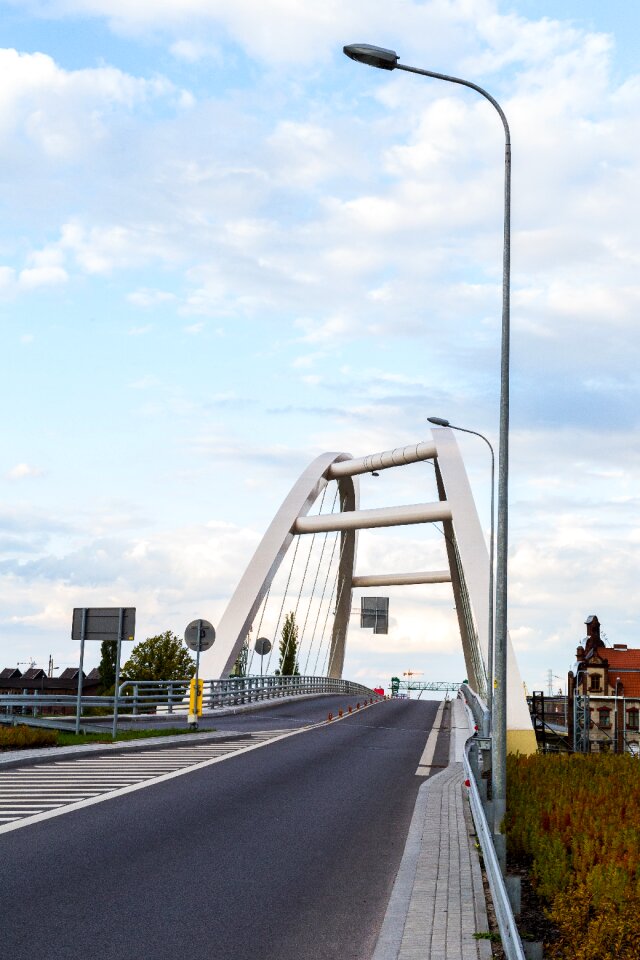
373	56
439	422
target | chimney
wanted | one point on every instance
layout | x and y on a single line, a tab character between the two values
593	633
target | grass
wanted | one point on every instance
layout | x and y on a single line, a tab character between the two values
23	737
75	739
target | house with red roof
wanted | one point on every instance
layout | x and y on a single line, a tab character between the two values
610	677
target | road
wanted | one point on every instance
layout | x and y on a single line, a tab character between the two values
287	852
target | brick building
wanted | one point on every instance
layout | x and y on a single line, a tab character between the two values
35	682
610	678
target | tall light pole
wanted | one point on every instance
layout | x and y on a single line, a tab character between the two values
388	60
440	422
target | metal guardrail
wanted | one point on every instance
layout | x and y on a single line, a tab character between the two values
510	938
478	708
172	696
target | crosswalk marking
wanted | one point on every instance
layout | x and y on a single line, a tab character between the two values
41	789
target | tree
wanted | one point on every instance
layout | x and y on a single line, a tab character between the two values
160	658
289	647
107	667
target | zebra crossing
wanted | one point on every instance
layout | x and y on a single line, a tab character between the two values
39	789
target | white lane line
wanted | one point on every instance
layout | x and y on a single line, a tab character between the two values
29	804
425	763
86	779
90	801
49	795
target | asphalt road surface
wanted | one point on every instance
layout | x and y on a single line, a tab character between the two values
288	852
276	714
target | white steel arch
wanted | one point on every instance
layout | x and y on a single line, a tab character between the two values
466	552
256	580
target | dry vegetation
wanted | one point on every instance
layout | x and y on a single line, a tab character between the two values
574	821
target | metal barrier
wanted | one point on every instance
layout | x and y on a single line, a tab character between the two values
172	696
478	708
510	938
475	762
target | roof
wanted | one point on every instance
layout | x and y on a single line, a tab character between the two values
619	659
34	673
70	673
93	674
10	673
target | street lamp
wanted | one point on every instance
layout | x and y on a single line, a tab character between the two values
388	60
440	422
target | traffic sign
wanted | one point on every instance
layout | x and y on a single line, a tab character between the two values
263	646
206	638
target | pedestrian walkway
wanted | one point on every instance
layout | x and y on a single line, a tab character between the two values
42	787
438	901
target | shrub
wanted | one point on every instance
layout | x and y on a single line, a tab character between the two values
575	820
26	738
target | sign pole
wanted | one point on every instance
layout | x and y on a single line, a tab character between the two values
115	689
83	633
195	697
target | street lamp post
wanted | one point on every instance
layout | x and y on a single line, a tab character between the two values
440	422
388	60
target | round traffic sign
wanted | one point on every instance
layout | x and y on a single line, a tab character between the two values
263	646
206	638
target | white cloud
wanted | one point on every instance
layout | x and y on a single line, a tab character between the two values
61	111
356	214
23	471
150	298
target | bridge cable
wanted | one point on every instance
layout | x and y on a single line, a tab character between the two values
264	607
324	543
284	598
333	590
302	583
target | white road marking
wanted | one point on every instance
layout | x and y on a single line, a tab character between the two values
426	760
93	774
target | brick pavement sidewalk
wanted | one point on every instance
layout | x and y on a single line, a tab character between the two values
438	900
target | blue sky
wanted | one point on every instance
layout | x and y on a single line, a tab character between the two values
225	248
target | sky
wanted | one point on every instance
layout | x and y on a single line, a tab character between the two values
226	248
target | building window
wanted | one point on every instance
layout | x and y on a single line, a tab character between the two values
594	681
604	717
632	718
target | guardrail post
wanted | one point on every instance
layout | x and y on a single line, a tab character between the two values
135	700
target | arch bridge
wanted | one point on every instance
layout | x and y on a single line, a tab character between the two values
467	567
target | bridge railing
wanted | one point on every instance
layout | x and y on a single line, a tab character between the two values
137	697
477	767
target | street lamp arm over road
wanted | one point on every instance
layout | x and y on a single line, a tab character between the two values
388	60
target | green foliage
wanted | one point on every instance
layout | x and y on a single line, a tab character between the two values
160	658
107	666
576	821
289	647
26	738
